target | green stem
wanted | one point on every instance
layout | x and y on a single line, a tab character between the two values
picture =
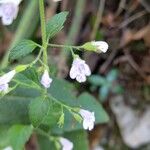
43	133
60	103
43	30
65	46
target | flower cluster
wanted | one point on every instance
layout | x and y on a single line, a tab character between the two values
9	10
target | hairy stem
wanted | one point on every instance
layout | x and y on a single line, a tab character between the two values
43	30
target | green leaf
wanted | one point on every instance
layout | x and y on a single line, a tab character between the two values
13	109
112	75
63	91
23	80
3	138
79	139
22	49
38	110
28	78
55	24
97	80
19	135
103	92
88	102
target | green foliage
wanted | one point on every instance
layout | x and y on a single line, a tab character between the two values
55	24
38	110
28	78
3	137
19	135
79	139
85	101
23	48
14	109
107	84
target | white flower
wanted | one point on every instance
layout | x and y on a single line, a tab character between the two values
46	80
8	148
79	70
66	144
9	10
5	79
101	46
88	119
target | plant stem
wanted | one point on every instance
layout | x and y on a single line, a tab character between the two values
43	30
65	46
98	19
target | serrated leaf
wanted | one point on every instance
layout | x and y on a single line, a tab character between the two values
55	24
23	80
19	135
38	110
22	49
28	78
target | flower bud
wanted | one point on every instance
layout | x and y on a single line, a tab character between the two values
46	80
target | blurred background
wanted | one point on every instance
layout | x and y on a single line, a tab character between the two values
120	78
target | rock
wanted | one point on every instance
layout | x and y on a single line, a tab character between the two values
135	128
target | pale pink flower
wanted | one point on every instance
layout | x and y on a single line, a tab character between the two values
9	10
46	80
5	79
66	144
88	119
101	46
79	70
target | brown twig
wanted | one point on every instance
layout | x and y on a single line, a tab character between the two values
98	19
134	64
145	5
132	18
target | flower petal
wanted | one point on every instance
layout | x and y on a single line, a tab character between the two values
81	78
73	72
66	144
6	78
46	80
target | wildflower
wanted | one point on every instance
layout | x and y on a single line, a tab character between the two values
88	119
101	46
46	80
8	148
9	10
5	79
66	144
79	70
